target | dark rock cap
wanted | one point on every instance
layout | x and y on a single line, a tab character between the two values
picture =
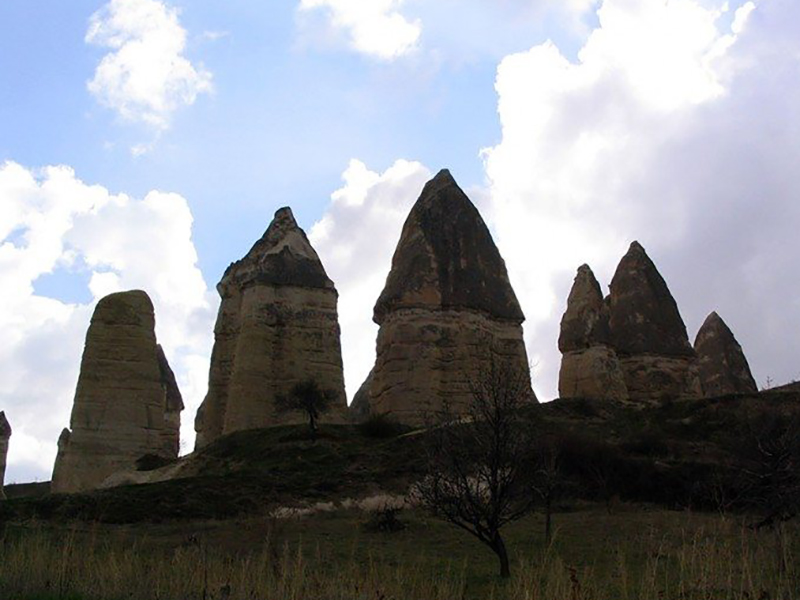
721	361
5	428
282	257
125	308
644	317
174	398
585	322
446	259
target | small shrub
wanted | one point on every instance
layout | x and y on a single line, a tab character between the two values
386	519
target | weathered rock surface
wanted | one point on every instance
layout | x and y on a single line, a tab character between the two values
589	365
721	362
359	409
648	333
5	434
122	401
173	407
277	325
447	310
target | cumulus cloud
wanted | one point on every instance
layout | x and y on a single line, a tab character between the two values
145	77
375	28
355	239
677	126
95	242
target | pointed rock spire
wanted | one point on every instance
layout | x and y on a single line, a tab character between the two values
644	317
282	257
447	313
585	322
173	404
277	325
721	361
5	434
446	258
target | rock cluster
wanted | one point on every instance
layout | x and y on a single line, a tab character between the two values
589	366
126	406
277	325
721	361
5	434
446	313
644	340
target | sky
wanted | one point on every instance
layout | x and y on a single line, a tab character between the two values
147	143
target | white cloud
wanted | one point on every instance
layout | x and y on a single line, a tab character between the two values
145	77
98	243
677	126
375	27
355	239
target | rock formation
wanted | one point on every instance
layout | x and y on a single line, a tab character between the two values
124	407
173	407
5	434
648	333
721	362
589	365
277	325
447	310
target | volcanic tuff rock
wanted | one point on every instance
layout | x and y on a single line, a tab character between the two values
124	409
173	407
446	312
589	365
648	333
721	361
5	433
277	325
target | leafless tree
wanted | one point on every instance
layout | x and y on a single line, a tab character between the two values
772	470
478	459
309	398
547	480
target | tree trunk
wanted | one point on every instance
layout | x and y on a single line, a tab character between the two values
499	548
548	532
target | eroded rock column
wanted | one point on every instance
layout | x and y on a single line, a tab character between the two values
5	435
721	361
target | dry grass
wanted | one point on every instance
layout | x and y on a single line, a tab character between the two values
704	559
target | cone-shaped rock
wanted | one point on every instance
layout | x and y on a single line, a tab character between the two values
446	312
589	365
121	403
5	434
277	325
721	361
648	333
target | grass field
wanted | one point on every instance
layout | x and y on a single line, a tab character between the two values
631	554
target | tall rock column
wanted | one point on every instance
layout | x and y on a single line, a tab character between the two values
721	361
648	333
120	411
447	310
277	325
5	434
589	365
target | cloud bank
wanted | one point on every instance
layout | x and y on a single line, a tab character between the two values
145	77
95	243
375	28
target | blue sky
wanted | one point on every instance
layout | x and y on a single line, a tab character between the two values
147	143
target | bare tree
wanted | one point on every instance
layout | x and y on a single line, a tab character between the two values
772	471
547	480
478	460
307	397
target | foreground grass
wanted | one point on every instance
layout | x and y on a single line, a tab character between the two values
595	556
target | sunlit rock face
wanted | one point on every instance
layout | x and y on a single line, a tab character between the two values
124	408
589	365
277	325
721	361
5	435
648	333
446	313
